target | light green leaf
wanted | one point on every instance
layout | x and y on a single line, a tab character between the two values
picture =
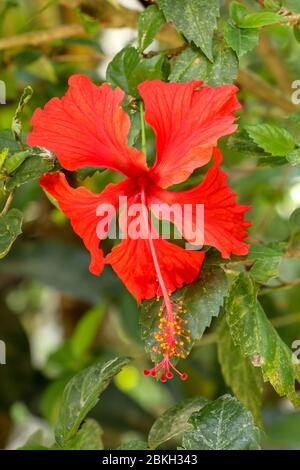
82	394
266	260
195	19
43	69
10	228
222	425
128	69
240	40
174	421
89	437
16	125
85	331
254	334
149	23
273	139
259	19
293	157
237	11
240	375
191	64
12	162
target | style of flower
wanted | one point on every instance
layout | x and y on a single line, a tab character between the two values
88	127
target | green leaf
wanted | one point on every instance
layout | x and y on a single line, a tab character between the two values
89	437
43	69
174	421
128	69
85	331
32	168
195	19
254	334
237	11
191	64
241	40
241	142
240	375
273	139
294	221
12	162
259	19
82	394
7	141
16	125
134	445
10	228
293	157
202	301
297	33
266	260
222	425
149	23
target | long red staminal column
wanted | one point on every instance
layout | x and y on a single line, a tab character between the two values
172	336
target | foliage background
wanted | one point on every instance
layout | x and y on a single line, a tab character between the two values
56	318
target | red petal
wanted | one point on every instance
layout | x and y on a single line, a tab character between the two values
224	224
188	119
87	127
132	261
80	206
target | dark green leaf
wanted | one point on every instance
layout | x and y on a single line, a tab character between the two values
191	64
149	23
297	33
222	425
128	69
7	141
240	375
82	394
195	19
240	40
10	228
254	334
174	421
275	140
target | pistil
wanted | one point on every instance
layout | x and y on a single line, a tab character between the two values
172	337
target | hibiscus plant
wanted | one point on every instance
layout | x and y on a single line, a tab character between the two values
149	229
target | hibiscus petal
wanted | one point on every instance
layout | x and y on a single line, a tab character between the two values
80	206
87	127
188	119
224	224
133	263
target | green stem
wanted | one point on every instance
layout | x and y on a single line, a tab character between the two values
143	130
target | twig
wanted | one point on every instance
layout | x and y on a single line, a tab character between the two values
274	63
251	82
8	203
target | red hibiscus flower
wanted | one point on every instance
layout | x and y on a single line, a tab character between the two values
88	127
